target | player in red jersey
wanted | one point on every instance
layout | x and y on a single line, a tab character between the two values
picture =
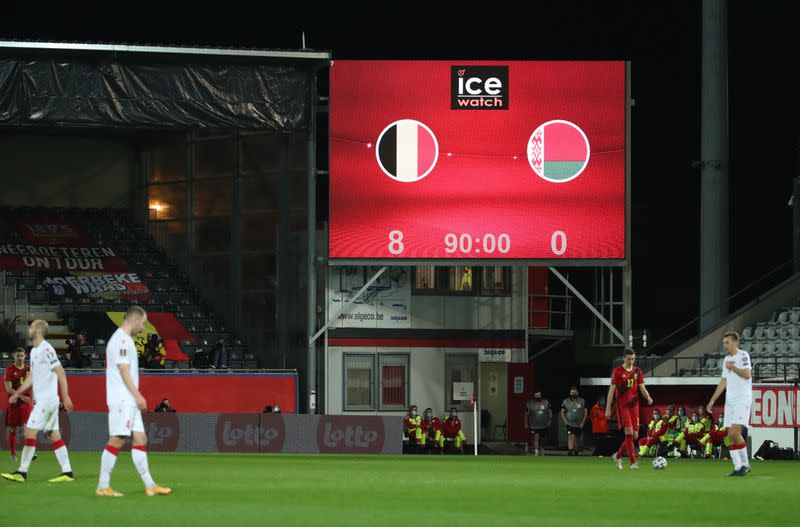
627	382
17	413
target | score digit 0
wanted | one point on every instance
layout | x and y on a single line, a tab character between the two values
396	242
558	243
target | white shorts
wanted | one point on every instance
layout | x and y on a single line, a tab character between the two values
124	419
44	416
737	412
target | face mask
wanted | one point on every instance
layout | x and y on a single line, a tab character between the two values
453	415
656	417
413	413
573	396
681	413
277	408
428	416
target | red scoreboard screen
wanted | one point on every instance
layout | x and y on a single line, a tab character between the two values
477	160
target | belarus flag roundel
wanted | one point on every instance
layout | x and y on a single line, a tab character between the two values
407	150
558	151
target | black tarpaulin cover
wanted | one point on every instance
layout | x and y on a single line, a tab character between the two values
108	92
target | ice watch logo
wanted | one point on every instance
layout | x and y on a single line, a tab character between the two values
479	87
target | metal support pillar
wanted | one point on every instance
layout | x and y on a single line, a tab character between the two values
714	256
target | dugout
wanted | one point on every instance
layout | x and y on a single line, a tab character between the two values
212	150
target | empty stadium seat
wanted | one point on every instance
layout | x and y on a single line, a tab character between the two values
188	348
235	354
171	289
39	296
747	332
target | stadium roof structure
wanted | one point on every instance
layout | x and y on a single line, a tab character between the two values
124	86
167	50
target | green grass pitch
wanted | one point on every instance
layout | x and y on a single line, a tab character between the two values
458	491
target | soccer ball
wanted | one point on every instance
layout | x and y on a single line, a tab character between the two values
659	463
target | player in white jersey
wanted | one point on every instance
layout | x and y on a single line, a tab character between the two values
46	377
738	386
125	406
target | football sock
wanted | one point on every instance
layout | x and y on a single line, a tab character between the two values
27	455
60	450
107	462
139	455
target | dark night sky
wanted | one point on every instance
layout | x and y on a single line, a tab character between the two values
661	41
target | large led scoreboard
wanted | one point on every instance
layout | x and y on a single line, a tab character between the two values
478	160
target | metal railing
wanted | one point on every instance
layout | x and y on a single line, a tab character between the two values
558	311
173	371
680	366
777	371
737	300
696	366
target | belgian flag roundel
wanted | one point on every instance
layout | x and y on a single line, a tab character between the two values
558	151
407	150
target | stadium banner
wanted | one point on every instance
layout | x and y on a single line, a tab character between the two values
55	258
165	325
775	407
109	287
246	433
45	232
193	392
385	304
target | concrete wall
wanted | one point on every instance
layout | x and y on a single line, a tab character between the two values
426	381
427	365
65	171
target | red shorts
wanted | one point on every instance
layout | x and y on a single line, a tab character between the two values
628	417
18	415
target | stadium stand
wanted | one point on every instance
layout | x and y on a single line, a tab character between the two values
774	347
164	289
